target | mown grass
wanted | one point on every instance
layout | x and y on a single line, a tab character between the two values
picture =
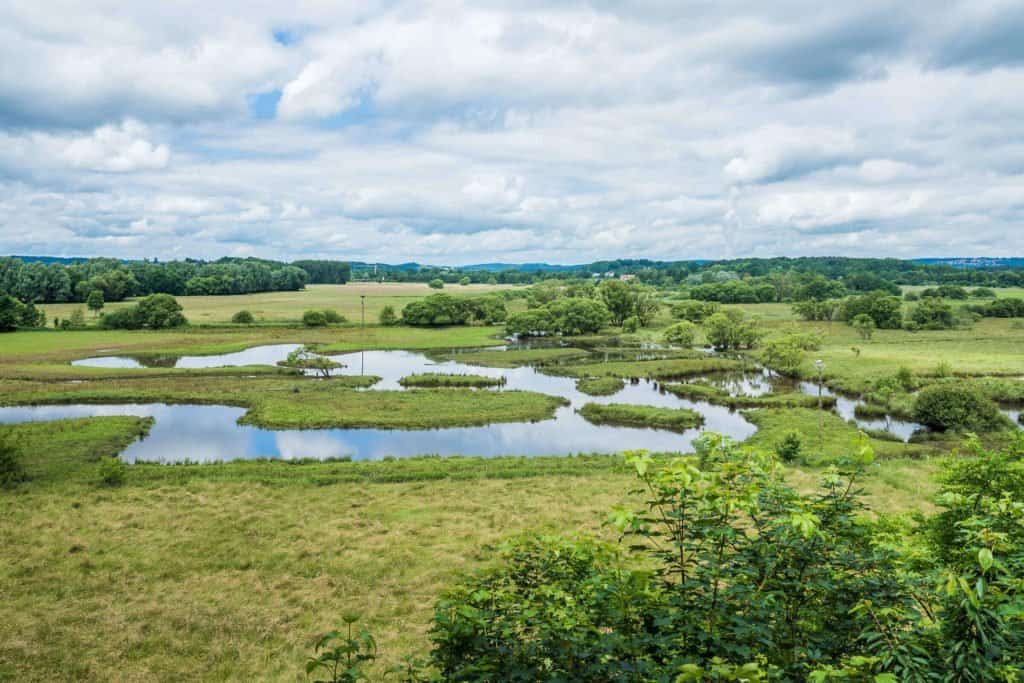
442	380
288	306
674	419
303	403
599	386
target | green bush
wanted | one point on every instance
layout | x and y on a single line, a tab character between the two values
681	334
155	312
333	317
790	449
436	283
957	407
631	324
243	318
11	470
388	316
314	319
112	471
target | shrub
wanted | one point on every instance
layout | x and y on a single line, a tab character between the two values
388	316
11	470
732	330
77	319
905	378
790	449
885	310
243	318
681	334
865	325
911	296
155	312
437	310
436	283
464	281
983	293
314	319
333	317
562	316
955	407
112	471
631	324
784	355
695	311
933	314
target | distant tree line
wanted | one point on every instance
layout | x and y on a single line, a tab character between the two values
39	282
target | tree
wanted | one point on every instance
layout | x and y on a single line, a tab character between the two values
865	325
815	309
464	280
562	316
95	301
933	314
681	334
156	312
243	317
631	324
160	311
695	311
618	299
732	330
10	313
436	283
784	355
885	310
388	316
437	310
307	360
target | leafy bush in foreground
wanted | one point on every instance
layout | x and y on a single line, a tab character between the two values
733	575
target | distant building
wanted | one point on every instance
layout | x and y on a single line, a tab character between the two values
626	277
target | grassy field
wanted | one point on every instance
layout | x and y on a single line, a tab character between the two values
288	306
228	572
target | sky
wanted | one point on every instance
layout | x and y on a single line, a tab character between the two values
453	132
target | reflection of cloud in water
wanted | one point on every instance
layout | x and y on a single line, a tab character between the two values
311	444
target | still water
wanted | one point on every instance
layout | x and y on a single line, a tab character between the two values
203	433
211	433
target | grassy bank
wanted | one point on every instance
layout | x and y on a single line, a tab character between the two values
599	386
699	391
674	419
441	380
303	403
516	357
651	369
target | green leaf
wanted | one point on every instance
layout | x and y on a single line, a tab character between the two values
985	559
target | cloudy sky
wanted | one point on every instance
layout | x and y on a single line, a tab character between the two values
451	132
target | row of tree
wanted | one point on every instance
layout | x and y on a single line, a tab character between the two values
40	282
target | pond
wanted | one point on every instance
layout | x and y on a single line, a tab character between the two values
204	433
210	433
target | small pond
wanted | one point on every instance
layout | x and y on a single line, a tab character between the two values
211	433
203	433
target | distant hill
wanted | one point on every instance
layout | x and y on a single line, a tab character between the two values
975	262
65	260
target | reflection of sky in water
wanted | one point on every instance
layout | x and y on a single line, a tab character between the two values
211	433
257	355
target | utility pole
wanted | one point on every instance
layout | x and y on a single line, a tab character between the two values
362	333
820	365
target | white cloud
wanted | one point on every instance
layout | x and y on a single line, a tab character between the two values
465	131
